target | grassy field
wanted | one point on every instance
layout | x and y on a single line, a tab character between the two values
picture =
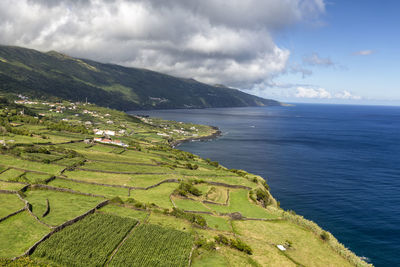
89	188
11	175
170	222
306	249
165	236
35	178
9	203
217	194
88	242
168	247
217	222
158	195
125	212
18	233
126	168
63	206
30	165
239	202
10	186
187	204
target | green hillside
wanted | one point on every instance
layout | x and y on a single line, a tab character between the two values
52	74
73	197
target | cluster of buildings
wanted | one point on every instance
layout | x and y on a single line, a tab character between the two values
109	141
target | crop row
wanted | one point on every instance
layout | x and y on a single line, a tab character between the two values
86	243
153	245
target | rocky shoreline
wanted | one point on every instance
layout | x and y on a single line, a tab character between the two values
217	132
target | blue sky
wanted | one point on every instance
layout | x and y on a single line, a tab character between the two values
346	29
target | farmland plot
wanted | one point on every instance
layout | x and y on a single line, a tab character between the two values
153	245
86	243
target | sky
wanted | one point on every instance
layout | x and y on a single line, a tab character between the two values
317	51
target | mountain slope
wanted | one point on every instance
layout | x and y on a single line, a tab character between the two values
52	74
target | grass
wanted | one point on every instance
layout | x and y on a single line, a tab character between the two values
158	195
98	177
168	247
169	221
187	204
88	242
11	175
239	202
307	248
115	167
89	188
63	206
9	204
10	186
18	233
209	258
216	222
125	212
35	178
217	194
30	165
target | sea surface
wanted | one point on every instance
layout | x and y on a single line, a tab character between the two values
338	165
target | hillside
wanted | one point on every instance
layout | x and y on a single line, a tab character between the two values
44	75
83	185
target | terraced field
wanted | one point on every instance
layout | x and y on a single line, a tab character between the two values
66	201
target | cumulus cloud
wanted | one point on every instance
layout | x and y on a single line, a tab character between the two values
315	60
303	92
364	53
322	93
347	95
214	41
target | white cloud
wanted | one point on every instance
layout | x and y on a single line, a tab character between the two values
215	41
347	95
364	53
303	92
315	60
322	93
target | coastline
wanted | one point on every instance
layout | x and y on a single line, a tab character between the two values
217	132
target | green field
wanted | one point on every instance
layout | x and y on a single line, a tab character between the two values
187	204
169	247
30	165
239	202
88	242
9	203
11	175
35	146
125	212
19	233
89	188
116	167
63	206
158	195
10	186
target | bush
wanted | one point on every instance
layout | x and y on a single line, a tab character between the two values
203	243
196	219
324	236
233	243
186	188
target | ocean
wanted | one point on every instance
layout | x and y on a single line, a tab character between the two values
338	165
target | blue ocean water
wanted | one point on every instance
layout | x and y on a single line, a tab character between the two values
338	165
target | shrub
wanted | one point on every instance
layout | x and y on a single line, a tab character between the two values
324	236
196	219
186	188
233	243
